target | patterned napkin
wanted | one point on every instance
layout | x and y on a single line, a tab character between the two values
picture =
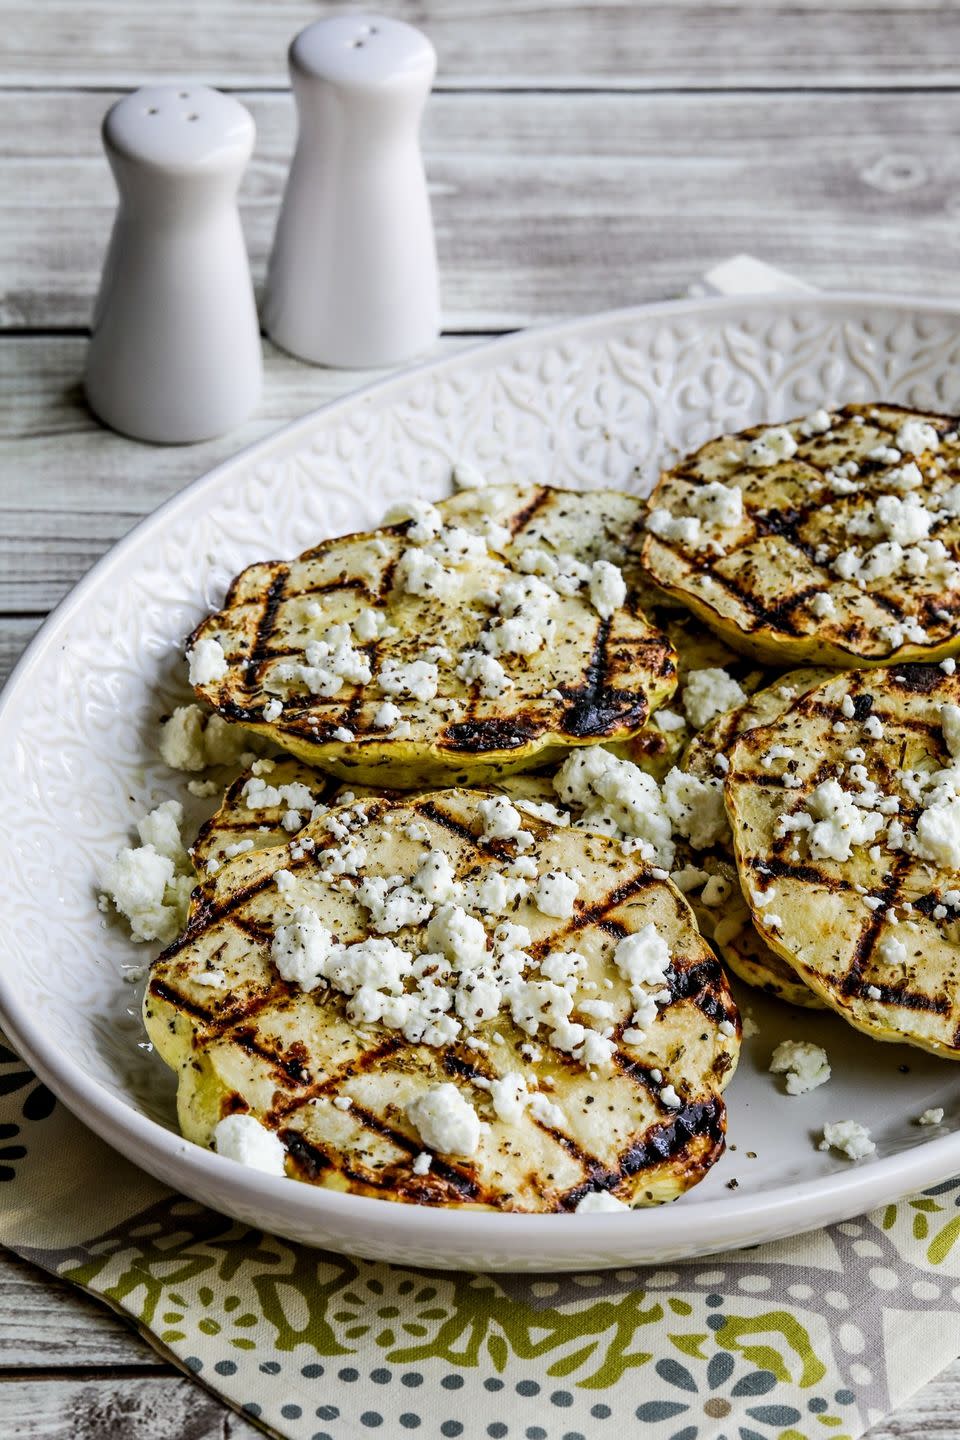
814	1337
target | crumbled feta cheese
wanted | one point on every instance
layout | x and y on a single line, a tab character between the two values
715	891
181	739
500	820
417	678
643	958
618	797
950	726
717	504
556	894
273	710
525	605
369	625
445	1121
916	436
458	936
904	520
421	573
467	477
207	662
509	1097
546	1112
938	833
873	727
258	795
682	528
670	1098
708	693
391	904
327	664
191	740
421	1163
386	716
203	789
669	721
695	808
244	1139
151	884
805	1065
435	877
301	950
949	665
931	1117
818	423
771	447
823	605
848	1138
904	477
486	672
607	588
596	1201
427	519
891	951
839	823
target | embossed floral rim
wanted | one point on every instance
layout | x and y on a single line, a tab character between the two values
369	1226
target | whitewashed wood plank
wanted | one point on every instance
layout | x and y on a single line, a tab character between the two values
15	635
554	43
116	1408
548	205
48	1324
69	488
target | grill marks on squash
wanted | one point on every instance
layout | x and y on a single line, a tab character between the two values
777	513
631	665
271	1025
829	934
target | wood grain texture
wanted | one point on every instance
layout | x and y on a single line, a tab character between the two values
167	1407
70	487
15	635
550	206
46	1324
561	44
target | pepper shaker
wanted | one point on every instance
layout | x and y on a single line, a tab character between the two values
352	279
175	354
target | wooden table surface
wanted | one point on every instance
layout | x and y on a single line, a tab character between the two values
580	156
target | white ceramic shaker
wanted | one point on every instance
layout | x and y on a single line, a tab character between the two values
175	354
352	279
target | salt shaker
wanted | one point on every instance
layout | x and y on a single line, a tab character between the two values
175	354
352	279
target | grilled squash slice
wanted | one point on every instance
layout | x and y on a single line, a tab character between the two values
830	540
851	867
266	808
480	636
255	806
730	927
337	1090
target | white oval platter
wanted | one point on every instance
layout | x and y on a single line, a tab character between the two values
597	402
